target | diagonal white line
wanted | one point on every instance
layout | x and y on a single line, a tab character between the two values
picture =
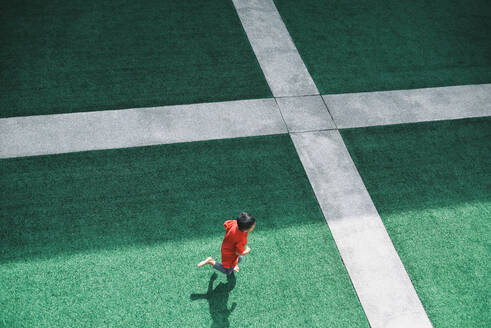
276	53
376	271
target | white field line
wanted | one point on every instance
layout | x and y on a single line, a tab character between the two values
275	51
62	133
353	110
381	282
308	113
377	273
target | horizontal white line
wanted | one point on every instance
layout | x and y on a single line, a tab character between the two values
378	275
62	133
409	106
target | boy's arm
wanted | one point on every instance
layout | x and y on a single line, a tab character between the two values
245	252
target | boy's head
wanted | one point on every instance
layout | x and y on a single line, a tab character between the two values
246	222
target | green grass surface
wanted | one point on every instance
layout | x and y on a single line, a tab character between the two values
112	238
371	45
72	56
431	184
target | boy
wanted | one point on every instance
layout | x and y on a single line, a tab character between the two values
234	243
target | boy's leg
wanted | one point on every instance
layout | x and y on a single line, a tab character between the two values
220	268
208	260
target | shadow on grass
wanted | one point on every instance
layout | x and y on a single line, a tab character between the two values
217	300
76	202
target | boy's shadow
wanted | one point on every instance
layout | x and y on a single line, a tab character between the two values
218	299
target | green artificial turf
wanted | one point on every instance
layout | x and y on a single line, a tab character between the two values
431	184
371	45
72	56
113	238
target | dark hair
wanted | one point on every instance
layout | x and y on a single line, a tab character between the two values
245	221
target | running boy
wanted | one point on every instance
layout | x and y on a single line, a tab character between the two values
234	243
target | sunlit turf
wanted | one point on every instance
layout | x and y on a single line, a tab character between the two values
113	238
431	184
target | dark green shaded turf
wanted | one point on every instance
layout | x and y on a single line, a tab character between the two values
72	56
113	238
370	45
431	184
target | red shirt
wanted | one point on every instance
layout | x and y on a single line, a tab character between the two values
234	242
